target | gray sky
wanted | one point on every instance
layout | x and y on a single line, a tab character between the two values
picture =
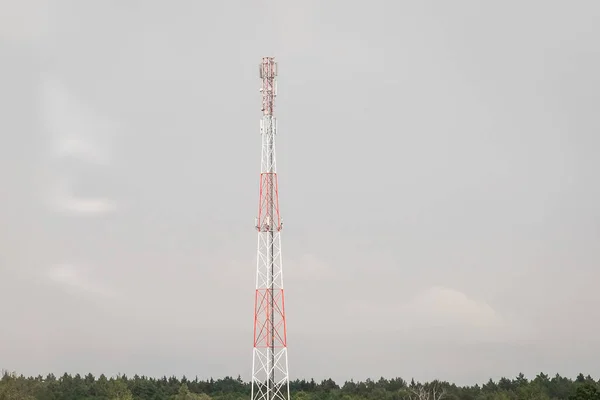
438	179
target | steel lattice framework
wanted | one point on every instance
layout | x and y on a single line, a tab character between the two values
270	379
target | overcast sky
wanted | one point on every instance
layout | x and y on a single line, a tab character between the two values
438	169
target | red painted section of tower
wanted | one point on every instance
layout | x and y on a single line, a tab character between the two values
264	336
268	203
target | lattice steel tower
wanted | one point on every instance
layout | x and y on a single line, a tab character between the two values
270	379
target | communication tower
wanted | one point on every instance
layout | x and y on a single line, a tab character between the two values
270	379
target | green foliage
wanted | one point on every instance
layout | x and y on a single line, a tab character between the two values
586	390
185	394
88	387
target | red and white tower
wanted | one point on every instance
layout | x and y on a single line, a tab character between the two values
270	379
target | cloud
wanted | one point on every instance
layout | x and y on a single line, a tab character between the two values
23	20
63	200
86	206
441	314
449	306
296	24
73	277
460	317
306	267
77	130
78	147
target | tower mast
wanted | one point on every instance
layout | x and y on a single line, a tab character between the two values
270	379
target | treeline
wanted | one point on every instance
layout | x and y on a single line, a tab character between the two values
88	387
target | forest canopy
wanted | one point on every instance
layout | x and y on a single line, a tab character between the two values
122	387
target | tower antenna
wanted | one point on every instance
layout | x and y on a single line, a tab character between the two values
270	379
